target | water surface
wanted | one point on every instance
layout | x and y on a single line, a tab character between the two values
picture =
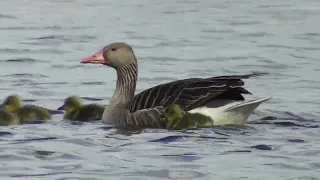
43	42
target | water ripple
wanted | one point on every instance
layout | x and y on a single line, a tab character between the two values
24	60
4	16
29	75
44	28
44	42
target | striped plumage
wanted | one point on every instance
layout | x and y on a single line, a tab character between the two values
192	93
146	108
117	111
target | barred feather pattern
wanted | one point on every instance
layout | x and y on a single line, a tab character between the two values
192	93
117	113
146	108
126	83
148	118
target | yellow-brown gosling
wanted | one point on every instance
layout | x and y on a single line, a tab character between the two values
7	118
76	110
178	119
14	105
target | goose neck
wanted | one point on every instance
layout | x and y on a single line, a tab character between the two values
126	84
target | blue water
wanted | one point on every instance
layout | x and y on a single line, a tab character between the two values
43	41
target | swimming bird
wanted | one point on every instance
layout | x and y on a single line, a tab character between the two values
75	110
14	105
146	109
7	119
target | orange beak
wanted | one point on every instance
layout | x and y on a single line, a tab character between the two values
96	58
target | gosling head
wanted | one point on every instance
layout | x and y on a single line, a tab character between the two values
12	103
172	113
71	103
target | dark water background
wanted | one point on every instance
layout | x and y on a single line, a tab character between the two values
42	43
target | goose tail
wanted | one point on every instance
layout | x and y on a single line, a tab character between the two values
240	111
235	113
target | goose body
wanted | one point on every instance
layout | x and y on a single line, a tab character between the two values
75	110
147	108
13	104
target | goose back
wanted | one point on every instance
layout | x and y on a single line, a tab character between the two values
193	92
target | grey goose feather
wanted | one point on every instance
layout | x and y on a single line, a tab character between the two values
192	93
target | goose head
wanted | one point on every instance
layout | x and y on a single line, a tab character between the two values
115	55
173	113
71	103
12	103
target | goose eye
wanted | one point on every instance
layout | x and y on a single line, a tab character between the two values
113	49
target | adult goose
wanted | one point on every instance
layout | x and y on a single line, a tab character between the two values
146	108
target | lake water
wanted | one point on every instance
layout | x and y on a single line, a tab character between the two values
42	43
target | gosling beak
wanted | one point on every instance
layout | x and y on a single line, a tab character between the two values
96	58
61	108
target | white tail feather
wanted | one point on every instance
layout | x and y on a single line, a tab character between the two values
235	113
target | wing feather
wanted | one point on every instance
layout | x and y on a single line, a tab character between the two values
193	92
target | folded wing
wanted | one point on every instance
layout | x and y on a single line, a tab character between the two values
192	93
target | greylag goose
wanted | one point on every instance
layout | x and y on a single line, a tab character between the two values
75	110
13	104
146	108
